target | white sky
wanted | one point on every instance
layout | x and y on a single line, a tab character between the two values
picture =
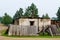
44	6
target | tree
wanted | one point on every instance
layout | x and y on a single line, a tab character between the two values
31	11
45	16
58	14
54	18
27	12
0	19
6	19
19	13
16	15
34	10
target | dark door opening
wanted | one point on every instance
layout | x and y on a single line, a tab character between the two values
31	23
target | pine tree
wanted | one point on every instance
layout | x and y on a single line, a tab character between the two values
31	11
18	14
45	16
27	12
58	14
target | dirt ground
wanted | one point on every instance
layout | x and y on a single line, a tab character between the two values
9	38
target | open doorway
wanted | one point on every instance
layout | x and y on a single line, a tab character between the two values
31	23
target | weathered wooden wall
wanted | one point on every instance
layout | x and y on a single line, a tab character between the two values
22	30
37	22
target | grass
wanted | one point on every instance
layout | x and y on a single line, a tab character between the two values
40	36
47	36
3	32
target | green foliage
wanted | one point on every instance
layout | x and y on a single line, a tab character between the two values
45	16
44	34
34	10
31	11
6	19
19	13
58	14
27	12
3	33
16	15
0	19
58	29
54	18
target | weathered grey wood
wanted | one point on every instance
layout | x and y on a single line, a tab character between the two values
10	30
22	30
51	32
17	33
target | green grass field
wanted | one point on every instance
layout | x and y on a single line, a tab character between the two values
39	36
47	36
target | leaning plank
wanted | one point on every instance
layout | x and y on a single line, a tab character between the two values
51	32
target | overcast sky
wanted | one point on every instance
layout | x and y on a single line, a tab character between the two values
44	6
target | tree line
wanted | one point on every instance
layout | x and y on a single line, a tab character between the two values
31	11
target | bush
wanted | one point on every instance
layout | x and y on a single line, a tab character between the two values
45	33
4	32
